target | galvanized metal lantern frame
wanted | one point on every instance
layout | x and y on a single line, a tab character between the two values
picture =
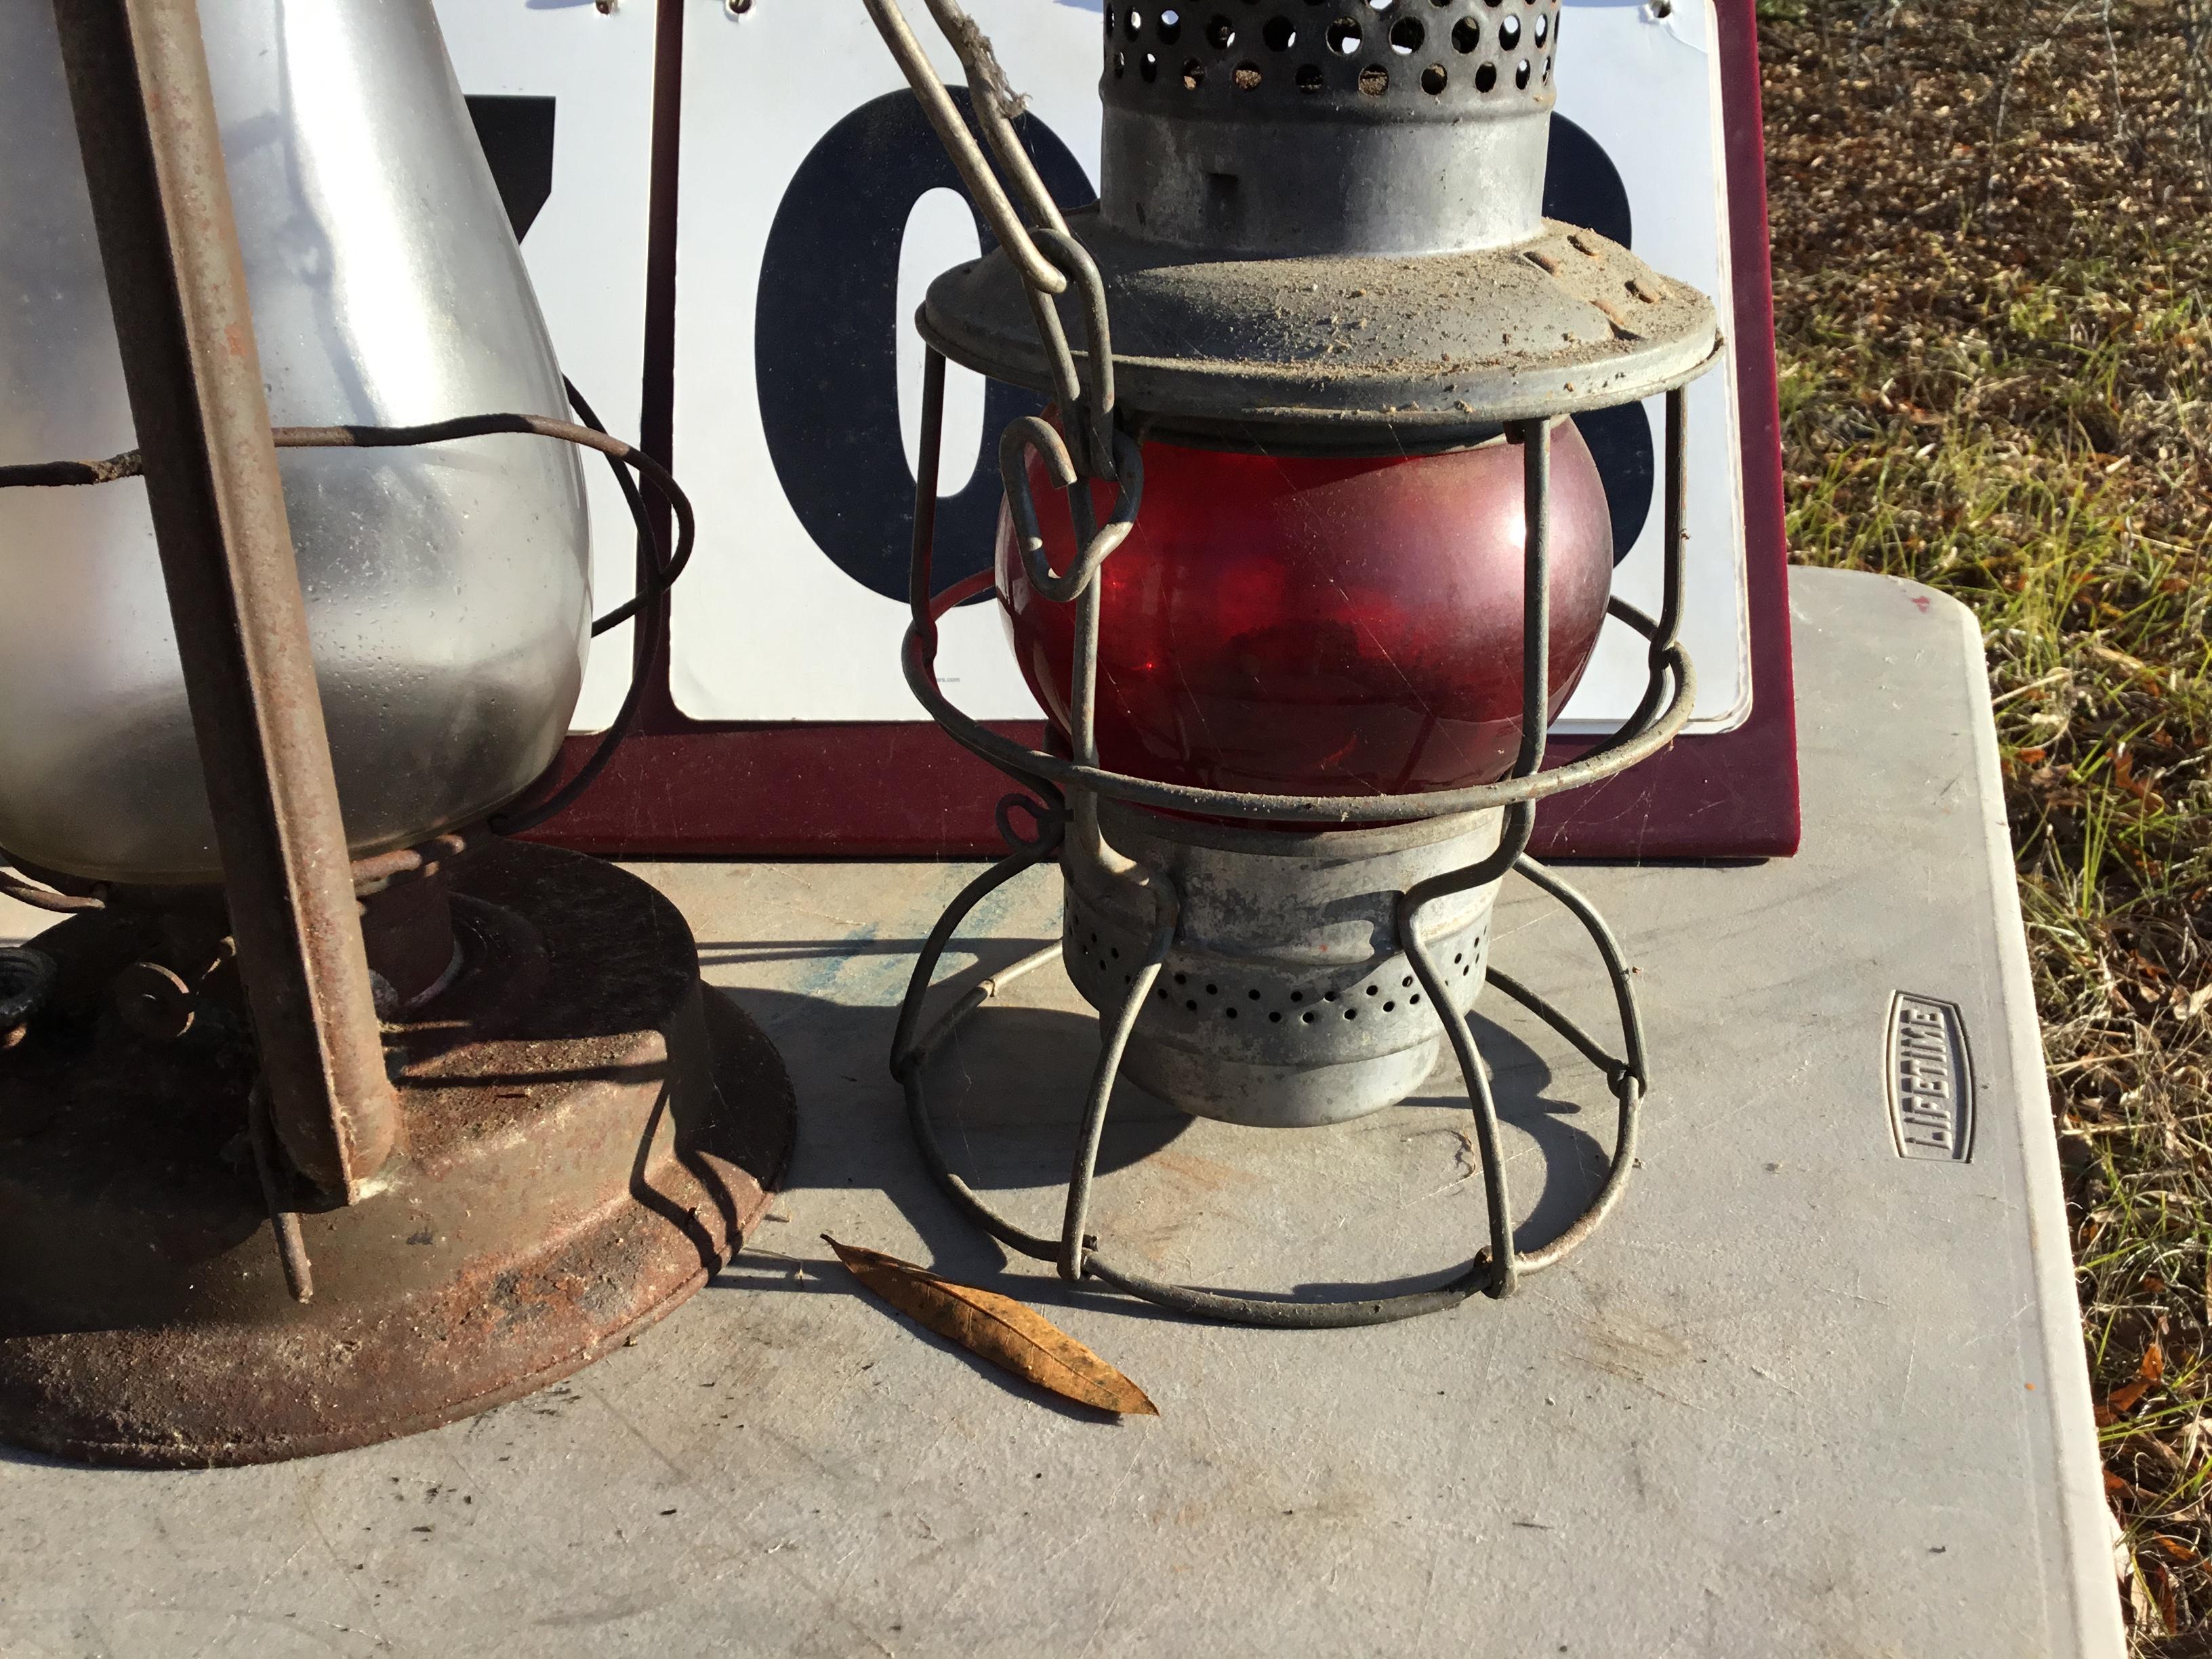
1192	369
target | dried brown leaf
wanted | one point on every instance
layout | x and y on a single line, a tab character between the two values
1010	1334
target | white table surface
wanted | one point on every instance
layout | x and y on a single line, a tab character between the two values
1802	1395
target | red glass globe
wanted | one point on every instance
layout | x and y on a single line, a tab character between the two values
1296	626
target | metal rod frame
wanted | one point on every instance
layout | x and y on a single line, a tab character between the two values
152	157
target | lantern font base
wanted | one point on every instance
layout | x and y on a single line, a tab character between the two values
1288	999
588	1134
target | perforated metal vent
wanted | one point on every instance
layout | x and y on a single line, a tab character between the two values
1399	57
1202	989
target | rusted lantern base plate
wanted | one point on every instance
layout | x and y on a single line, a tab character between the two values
587	1136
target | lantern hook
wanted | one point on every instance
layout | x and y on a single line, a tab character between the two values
1096	541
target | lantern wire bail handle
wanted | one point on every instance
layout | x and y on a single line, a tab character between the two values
1051	261
996	109
1092	416
968	157
1046	253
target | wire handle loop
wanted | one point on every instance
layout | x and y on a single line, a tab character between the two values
1022	215
1033	434
1048	823
997	106
1093	420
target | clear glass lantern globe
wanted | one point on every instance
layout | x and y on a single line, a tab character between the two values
447	587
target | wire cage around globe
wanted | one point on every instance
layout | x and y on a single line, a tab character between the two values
1194	1051
1300	572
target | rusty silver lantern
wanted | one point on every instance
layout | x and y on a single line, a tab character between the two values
270	731
1319	250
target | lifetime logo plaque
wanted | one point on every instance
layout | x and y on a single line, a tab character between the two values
1931	1080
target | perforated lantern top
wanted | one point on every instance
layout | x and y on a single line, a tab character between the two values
1321	230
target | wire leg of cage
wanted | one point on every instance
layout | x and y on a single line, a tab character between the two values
1630	1077
909	1054
1074	1243
1627	1078
1504	1273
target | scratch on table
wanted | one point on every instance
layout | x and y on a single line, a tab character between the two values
364	1608
232	1622
786	873
1629	1374
1106	1619
585	1384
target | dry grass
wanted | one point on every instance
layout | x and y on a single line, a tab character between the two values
1993	265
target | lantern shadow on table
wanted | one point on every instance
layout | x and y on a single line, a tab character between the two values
1173	1186
853	1125
1007	1095
1564	1114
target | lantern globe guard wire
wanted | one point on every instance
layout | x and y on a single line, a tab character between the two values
661	568
658	571
1497	1268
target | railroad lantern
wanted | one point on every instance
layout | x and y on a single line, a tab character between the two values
1301	563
